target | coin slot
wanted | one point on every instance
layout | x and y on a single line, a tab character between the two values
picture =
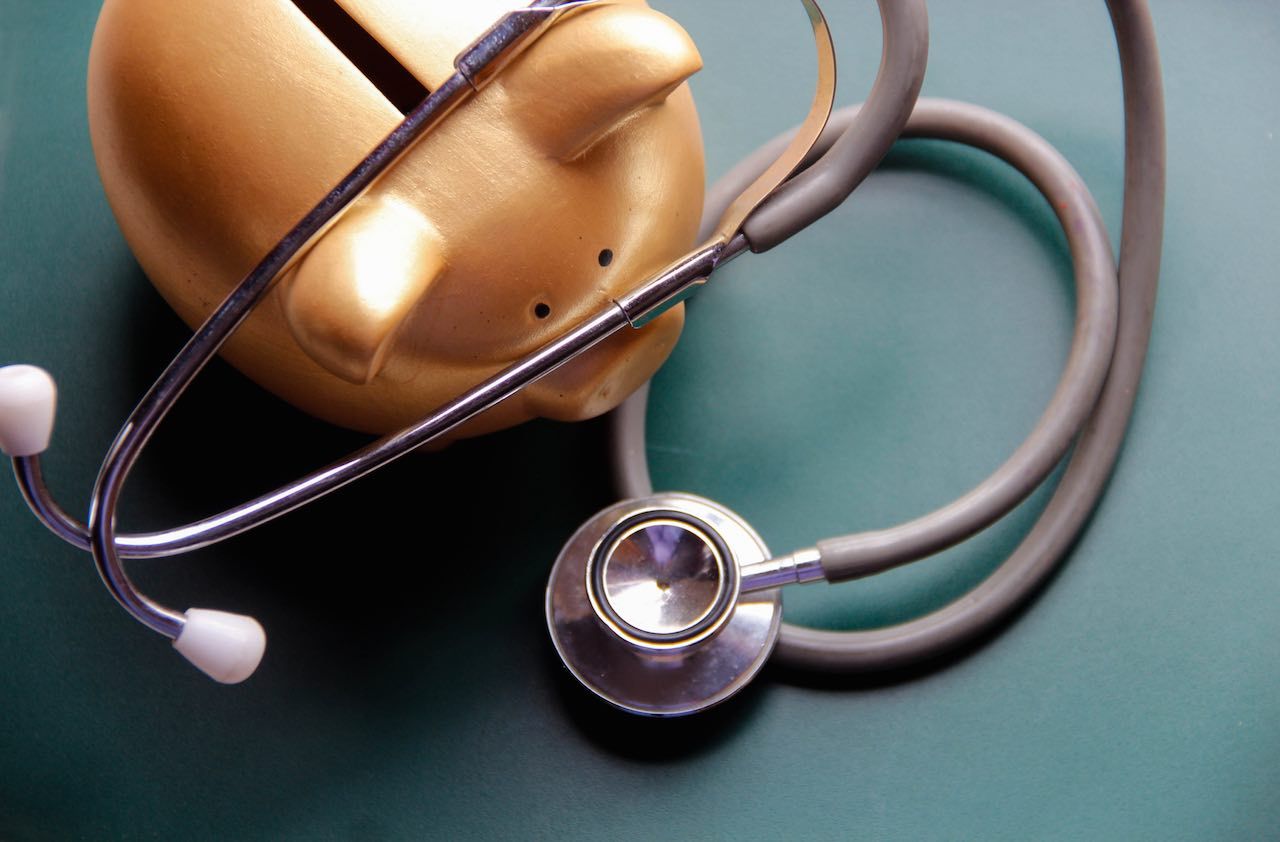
389	76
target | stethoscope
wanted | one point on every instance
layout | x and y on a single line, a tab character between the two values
666	604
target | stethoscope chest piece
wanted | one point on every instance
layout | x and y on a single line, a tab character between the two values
644	605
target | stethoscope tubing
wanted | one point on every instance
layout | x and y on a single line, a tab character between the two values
1100	418
1098	447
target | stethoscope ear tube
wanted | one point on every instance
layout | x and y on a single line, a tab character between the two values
228	646
475	66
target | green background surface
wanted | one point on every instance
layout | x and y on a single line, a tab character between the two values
883	363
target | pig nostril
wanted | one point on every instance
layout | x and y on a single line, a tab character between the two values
542	310
606	257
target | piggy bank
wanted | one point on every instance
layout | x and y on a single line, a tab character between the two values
575	173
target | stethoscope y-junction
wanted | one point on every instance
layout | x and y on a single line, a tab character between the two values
666	604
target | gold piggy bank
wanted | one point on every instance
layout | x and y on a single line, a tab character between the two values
575	173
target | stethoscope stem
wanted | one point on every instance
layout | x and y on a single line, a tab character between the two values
798	568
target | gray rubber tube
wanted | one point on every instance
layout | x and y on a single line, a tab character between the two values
859	146
1098	445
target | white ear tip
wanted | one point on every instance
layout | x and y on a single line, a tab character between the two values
226	647
28	399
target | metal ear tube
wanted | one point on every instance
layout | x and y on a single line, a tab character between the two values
229	647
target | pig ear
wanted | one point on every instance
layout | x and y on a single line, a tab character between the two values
348	296
593	71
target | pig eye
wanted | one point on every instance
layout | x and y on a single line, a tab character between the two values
606	257
542	309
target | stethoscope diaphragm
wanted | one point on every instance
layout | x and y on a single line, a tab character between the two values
645	608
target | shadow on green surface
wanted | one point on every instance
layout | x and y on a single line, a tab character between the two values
651	740
420	553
